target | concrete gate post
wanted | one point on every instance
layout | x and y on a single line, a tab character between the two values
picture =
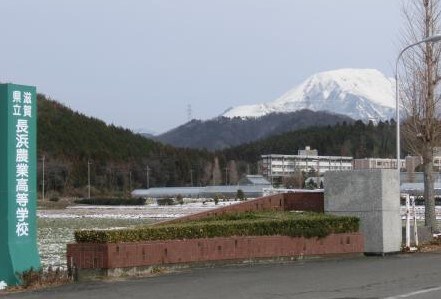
374	197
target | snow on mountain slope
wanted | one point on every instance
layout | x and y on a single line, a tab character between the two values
364	94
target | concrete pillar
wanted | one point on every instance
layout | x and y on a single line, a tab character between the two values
374	197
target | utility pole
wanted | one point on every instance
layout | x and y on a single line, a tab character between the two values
130	181
42	184
226	176
88	178
191	177
147	176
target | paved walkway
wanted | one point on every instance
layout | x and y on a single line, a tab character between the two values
400	276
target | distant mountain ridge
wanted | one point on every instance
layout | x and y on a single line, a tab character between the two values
223	132
361	94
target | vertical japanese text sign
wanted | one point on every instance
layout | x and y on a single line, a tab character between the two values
18	182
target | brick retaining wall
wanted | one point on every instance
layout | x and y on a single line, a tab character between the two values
90	256
125	255
300	201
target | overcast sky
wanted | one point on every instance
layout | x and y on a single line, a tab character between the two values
139	64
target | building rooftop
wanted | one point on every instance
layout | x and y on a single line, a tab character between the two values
251	185
254	180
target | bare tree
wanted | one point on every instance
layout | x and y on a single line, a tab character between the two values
217	174
296	180
420	75
207	173
233	174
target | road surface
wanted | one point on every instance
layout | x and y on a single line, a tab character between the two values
393	277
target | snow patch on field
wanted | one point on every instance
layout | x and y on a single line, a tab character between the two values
56	227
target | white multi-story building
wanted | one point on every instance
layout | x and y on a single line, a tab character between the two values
276	167
307	160
410	163
377	163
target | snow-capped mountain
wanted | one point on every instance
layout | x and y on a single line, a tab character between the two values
364	94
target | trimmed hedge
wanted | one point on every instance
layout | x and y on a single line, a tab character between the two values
249	224
112	201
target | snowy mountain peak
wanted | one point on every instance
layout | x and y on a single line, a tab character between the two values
364	94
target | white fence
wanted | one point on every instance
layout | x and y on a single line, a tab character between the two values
419	211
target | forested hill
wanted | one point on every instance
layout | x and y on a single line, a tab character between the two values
358	140
65	134
118	158
223	132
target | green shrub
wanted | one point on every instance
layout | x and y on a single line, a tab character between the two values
247	224
53	196
240	195
216	199
311	184
180	199
112	201
165	201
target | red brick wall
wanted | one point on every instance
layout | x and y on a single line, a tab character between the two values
307	201
274	202
304	201
122	255
88	255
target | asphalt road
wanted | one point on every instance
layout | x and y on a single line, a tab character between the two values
400	276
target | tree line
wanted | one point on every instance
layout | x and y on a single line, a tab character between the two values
119	161
358	140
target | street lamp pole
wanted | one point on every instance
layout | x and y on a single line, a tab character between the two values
431	39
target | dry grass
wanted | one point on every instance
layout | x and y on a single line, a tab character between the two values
433	246
33	279
55	205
